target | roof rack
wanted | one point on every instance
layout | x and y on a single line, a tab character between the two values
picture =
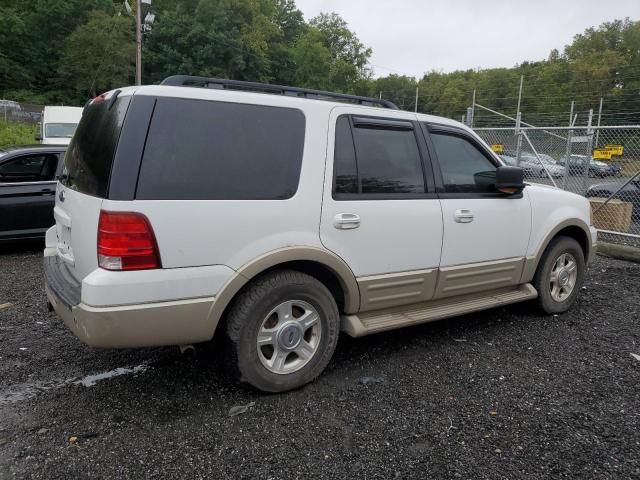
205	82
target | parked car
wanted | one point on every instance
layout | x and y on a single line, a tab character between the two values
529	164
27	188
528	169
596	168
58	124
12	110
278	221
550	165
630	193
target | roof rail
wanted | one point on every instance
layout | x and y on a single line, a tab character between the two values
205	82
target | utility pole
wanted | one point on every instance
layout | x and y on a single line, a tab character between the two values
138	42
416	109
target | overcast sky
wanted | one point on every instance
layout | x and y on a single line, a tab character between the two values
415	36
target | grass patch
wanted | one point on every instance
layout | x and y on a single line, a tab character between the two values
15	133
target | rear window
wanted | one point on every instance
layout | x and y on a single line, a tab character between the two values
90	154
207	150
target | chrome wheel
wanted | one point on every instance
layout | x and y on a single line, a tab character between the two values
289	337
564	274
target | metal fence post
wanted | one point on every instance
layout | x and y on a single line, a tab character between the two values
598	129
519	141
473	108
589	151
567	156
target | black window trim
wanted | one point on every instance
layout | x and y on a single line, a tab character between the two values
437	128
384	123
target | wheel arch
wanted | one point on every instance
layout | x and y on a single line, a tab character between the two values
325	266
573	228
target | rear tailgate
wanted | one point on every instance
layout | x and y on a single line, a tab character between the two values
76	216
85	183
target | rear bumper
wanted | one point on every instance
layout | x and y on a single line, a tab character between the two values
142	325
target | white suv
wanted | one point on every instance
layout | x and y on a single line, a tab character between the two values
281	220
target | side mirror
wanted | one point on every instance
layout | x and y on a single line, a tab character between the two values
509	180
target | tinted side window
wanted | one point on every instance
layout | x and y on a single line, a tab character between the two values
465	169
29	168
371	159
206	150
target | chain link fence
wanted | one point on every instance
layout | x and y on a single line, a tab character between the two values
601	163
12	111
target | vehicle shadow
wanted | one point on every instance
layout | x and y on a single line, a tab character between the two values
21	246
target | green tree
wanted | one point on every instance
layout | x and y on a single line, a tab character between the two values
99	55
219	38
349	55
32	41
313	61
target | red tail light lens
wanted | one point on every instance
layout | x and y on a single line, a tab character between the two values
126	242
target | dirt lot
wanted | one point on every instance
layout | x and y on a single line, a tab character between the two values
502	394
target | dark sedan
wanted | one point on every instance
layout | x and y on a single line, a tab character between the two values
596	167
27	189
630	193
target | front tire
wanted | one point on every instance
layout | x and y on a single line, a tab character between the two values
282	331
560	275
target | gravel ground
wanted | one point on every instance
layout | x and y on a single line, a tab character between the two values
505	393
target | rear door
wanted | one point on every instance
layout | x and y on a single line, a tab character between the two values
27	187
380	212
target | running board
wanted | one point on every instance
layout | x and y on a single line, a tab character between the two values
367	323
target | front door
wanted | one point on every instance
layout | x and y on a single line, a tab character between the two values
486	233
27	188
380	213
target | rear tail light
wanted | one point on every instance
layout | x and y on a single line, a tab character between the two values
126	242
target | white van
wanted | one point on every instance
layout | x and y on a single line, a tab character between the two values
59	125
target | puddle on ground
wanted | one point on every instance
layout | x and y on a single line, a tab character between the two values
18	393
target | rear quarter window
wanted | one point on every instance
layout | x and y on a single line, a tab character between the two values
209	150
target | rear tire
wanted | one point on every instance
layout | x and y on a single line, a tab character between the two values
560	275
282	331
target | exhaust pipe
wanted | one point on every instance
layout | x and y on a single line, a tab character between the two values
187	350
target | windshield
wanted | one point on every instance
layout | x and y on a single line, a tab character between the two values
60	130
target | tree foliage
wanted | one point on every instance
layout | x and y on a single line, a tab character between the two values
98	55
68	50
601	62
